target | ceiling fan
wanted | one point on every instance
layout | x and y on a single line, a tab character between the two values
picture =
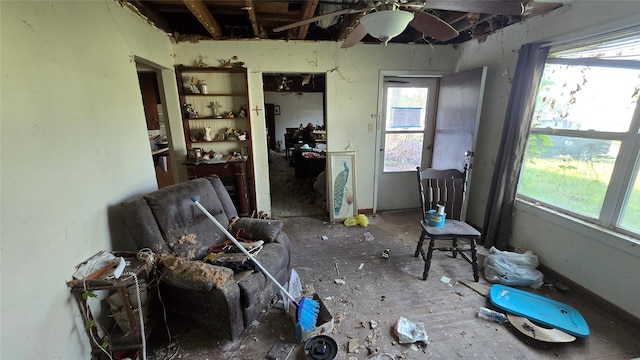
386	19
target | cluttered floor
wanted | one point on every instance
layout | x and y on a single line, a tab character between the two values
367	293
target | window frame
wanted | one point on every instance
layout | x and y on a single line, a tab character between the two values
627	163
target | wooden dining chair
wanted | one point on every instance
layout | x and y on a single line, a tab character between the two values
445	188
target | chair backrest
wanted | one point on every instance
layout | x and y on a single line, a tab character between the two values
442	187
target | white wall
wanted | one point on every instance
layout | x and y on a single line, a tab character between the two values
74	145
602	263
352	90
296	109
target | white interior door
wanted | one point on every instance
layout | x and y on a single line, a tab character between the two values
405	139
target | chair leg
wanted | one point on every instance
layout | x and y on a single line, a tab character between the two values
420	243
474	260
427	261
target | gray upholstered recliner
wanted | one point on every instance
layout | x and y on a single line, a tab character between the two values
168	222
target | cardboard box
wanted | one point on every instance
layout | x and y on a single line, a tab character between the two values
324	324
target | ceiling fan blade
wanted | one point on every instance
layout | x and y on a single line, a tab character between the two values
314	19
432	26
498	7
357	34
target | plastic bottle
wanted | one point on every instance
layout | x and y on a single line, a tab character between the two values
491	315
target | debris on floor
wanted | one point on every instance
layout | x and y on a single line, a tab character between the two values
385	253
492	315
481	289
448	281
513	269
409	332
352	346
280	350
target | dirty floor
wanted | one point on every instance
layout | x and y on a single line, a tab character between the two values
378	291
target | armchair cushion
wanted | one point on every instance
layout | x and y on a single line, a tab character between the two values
193	275
257	229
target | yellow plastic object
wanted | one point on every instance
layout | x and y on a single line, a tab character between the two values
363	220
351	221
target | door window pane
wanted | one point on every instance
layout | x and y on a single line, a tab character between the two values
406	108
403	151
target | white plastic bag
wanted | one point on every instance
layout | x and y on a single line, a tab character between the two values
409	332
513	269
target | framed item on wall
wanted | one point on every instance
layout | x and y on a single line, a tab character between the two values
342	185
276	109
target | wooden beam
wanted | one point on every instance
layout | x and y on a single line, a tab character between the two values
251	12
201	12
307	12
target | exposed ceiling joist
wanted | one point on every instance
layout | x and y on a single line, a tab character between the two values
307	12
203	15
251	12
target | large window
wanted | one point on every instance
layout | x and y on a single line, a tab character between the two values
582	152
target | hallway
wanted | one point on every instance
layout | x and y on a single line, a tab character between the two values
291	196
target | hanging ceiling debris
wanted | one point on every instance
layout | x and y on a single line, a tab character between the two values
333	20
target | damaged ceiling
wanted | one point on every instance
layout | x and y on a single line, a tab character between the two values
194	20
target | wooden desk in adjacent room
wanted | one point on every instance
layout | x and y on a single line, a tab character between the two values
309	164
234	171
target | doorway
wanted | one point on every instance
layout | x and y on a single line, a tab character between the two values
154	111
422	128
406	133
296	140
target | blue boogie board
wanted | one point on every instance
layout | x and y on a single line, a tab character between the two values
539	309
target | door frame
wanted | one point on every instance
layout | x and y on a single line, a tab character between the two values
165	78
378	118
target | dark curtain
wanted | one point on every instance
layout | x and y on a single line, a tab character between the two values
496	230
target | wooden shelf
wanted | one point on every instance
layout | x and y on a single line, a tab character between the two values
216	141
227	92
218	94
217	118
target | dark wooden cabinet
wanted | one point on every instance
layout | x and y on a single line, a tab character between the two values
233	174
